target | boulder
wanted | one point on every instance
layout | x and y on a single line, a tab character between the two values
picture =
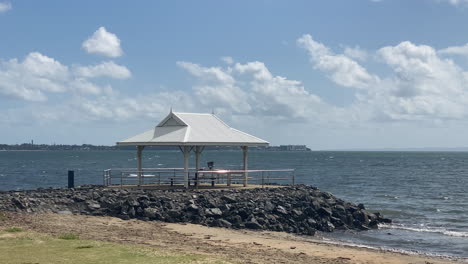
325	211
253	225
214	212
281	210
228	199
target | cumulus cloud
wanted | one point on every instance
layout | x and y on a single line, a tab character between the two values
356	53
417	84
103	43
340	68
251	89
31	78
105	69
456	50
217	87
421	85
278	96
243	90
119	107
37	75
5	6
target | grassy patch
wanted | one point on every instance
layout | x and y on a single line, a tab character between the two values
3	216
28	247
69	236
14	229
84	246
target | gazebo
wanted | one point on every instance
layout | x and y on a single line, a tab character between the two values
193	132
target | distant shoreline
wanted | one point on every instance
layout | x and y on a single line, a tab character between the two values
255	150
86	147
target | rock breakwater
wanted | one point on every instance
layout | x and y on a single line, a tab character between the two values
296	209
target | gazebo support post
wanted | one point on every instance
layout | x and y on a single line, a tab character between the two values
186	166
245	150
139	164
198	151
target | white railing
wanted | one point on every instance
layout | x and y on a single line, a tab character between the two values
175	176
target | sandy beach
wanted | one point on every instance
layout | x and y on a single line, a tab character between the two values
233	246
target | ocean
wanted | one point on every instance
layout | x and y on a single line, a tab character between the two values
425	193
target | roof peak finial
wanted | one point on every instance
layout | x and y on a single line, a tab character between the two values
171	110
212	111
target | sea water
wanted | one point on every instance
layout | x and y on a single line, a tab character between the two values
425	193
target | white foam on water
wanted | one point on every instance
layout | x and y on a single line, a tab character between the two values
325	240
427	230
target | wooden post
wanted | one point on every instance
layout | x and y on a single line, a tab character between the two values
186	166
245	150
139	163
71	179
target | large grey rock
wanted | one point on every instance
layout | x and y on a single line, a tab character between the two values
216	212
280	209
325	211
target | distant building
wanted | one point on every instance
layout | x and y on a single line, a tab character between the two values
294	148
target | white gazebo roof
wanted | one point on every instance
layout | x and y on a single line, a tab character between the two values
191	129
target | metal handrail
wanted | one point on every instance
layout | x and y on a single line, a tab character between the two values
173	176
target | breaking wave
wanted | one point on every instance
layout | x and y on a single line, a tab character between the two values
427	230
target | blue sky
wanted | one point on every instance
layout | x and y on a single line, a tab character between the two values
329	74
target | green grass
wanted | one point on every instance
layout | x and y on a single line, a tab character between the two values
14	230
3	216
69	236
28	247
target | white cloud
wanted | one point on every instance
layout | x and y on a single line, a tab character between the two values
105	69
277	96
38	75
242	93
423	85
250	89
340	68
217	88
356	53
215	74
455	2
128	108
5	6
416	85
82	86
420	86
227	60
457	50
103	43
32	77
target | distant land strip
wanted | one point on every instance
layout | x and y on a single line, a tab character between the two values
84	147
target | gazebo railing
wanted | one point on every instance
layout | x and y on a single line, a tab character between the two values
176	176
131	176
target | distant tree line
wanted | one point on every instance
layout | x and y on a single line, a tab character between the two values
84	147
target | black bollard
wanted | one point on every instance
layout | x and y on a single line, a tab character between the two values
71	179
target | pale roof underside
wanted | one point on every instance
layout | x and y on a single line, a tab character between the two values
189	129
